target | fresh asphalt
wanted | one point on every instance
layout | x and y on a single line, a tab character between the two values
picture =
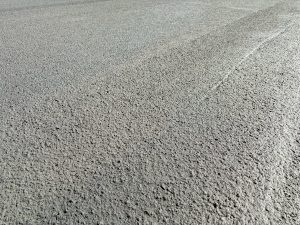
149	112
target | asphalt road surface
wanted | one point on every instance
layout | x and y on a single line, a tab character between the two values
149	112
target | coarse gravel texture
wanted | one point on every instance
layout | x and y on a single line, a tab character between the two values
150	112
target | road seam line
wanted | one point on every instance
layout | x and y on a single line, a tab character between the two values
247	56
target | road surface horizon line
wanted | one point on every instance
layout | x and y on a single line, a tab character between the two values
45	6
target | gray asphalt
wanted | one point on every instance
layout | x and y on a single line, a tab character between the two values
149	112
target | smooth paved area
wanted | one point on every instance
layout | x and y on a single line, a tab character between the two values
149	112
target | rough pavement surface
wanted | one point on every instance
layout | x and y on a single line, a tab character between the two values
149	112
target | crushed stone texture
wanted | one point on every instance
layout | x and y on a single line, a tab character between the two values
149	112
